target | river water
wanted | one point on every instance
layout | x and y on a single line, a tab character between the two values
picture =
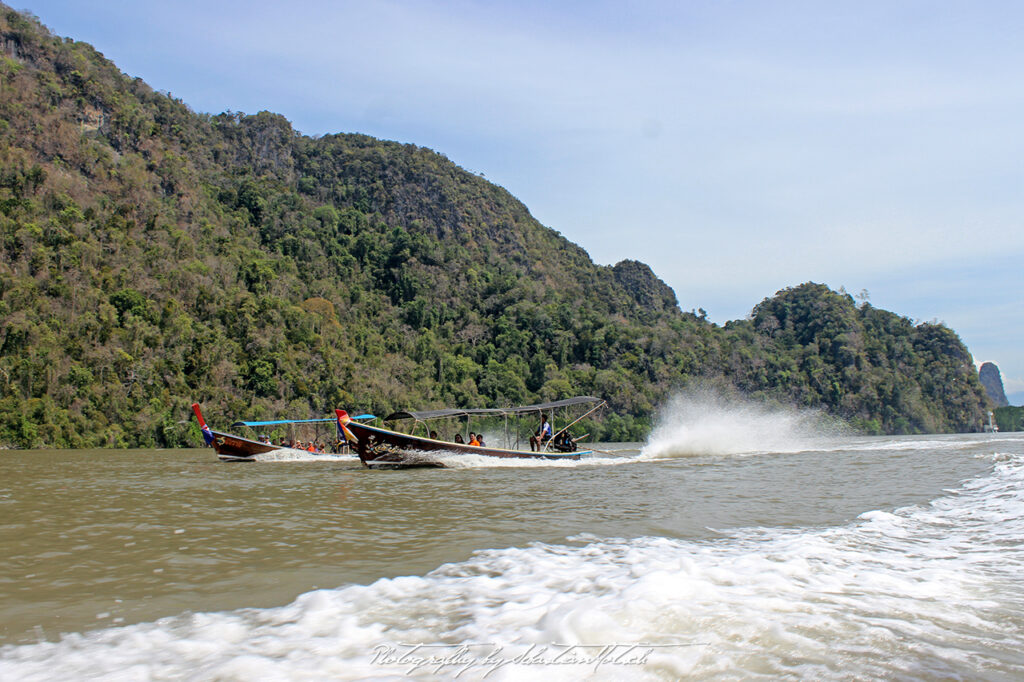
752	544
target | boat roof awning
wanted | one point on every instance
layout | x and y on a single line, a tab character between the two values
296	421
423	415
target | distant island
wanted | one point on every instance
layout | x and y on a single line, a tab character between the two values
151	256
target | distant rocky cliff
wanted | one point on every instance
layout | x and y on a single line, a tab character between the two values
993	383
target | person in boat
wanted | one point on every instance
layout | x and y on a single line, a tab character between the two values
563	442
458	439
480	440
473	440
433	435
542	434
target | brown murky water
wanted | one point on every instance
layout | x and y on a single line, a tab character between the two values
94	538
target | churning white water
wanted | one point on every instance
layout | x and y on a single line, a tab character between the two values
294	455
703	421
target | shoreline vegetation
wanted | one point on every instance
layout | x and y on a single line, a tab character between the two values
1009	418
152	256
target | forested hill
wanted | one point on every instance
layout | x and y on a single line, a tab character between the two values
152	256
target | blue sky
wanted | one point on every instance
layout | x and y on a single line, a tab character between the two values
737	147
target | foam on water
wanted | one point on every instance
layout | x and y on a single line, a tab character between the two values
920	592
702	421
295	455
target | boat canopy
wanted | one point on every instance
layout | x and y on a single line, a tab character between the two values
298	421
423	415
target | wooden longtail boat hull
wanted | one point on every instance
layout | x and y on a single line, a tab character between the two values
384	449
231	448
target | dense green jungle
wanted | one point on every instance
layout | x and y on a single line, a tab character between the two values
152	256
1009	418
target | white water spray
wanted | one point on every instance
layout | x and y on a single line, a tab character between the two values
703	421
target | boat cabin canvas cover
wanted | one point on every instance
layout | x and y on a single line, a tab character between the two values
423	415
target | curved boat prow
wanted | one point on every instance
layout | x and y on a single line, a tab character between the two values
230	448
343	431
207	433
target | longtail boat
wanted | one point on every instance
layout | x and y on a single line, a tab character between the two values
381	448
234	448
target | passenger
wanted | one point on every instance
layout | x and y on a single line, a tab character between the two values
480	440
542	434
433	435
564	442
458	439
311	447
473	440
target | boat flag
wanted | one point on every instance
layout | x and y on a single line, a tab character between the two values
207	433
343	431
